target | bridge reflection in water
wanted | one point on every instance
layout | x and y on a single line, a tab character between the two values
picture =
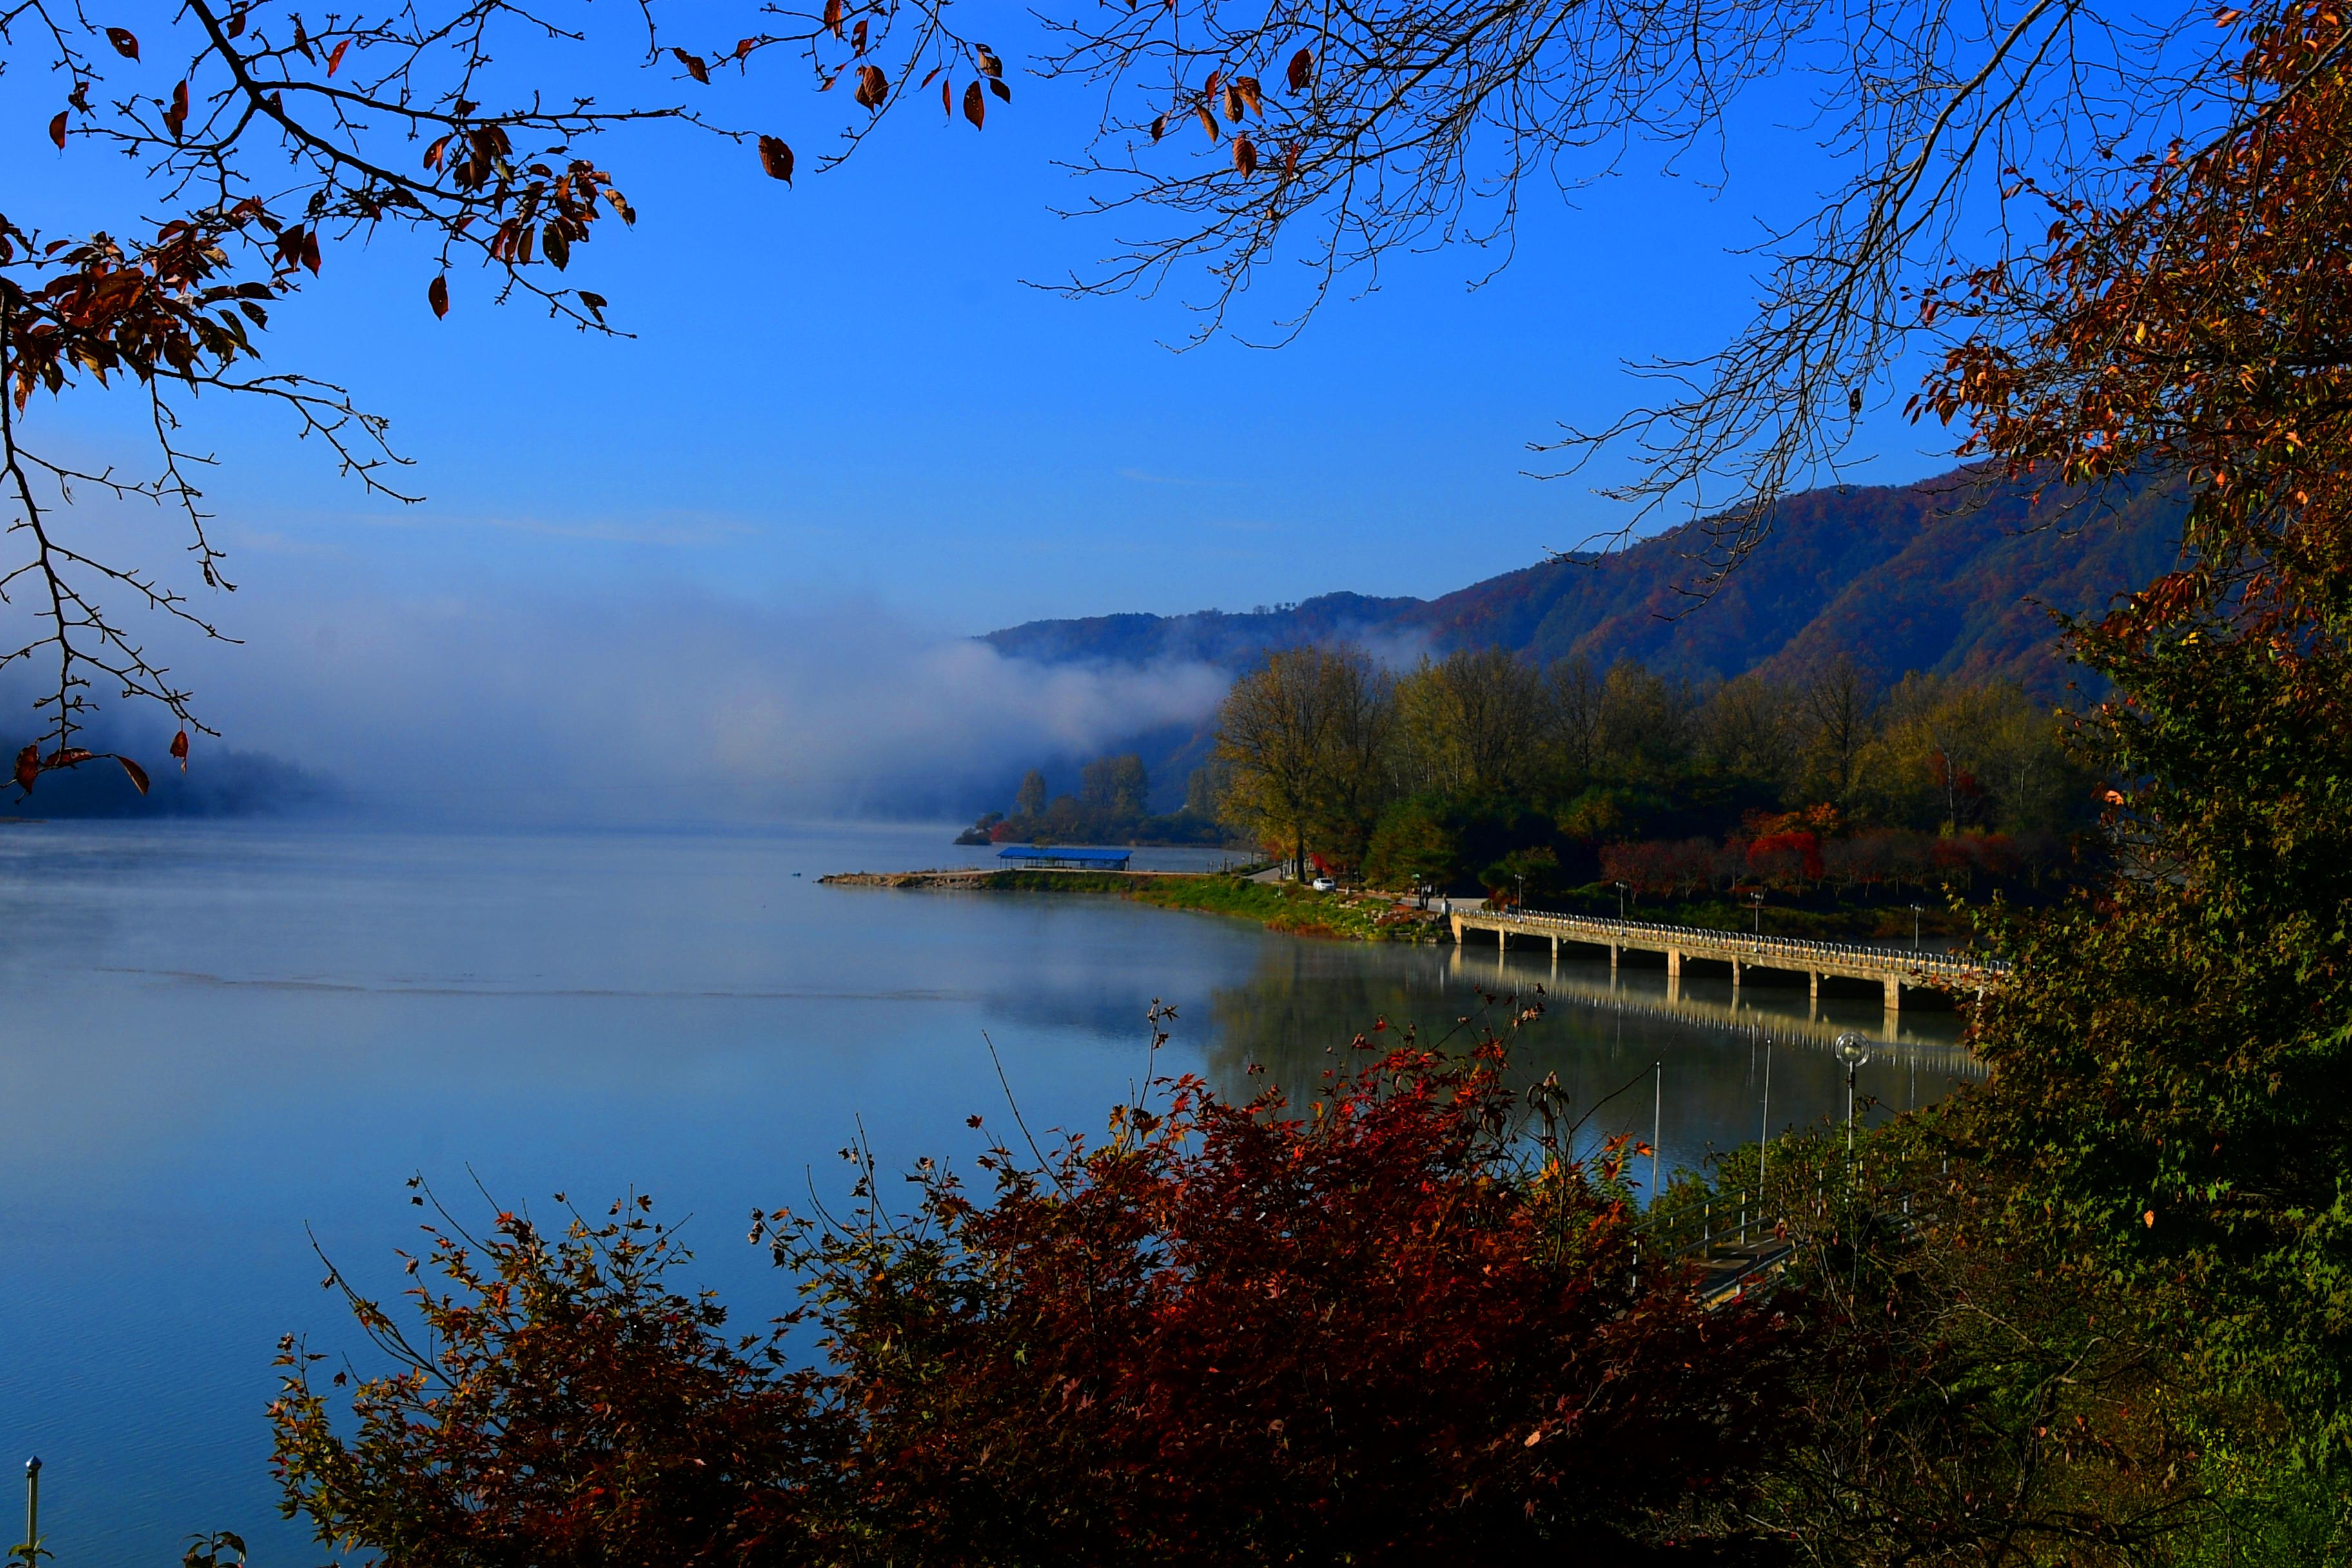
1729	1066
1786	1017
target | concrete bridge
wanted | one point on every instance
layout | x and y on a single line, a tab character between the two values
1892	968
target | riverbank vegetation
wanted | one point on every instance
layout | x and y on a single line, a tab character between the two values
1480	772
1288	907
1110	807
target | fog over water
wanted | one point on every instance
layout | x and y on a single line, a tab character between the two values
670	706
231	1038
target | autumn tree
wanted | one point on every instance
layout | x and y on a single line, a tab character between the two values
1746	729
2172	1063
1115	787
1647	722
1571	709
1299	739
1030	799
1470	724
1835	709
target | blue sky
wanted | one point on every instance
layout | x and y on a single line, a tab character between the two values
845	388
844	435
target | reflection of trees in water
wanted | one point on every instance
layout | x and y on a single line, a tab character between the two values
1298	1012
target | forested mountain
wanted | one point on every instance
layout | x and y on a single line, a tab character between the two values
1949	576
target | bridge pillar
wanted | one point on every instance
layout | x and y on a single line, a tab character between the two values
1502	938
1893	995
1455	922
1817	985
1555	953
1736	967
1613	963
1674	965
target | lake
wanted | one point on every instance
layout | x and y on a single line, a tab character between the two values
229	1043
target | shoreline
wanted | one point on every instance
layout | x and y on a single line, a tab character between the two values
1277	906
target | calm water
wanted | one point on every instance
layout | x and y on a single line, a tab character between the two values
223	1042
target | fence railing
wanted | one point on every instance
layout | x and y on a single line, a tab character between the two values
1737	1230
1910	959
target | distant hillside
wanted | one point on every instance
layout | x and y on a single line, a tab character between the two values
1946	576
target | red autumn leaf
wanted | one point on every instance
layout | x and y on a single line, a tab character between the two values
833	17
180	749
857	37
1208	120
873	87
1245	156
947	96
1251	94
1233	105
776	158
694	65
975	105
437	294
176	115
66	757
1159	127
335	60
235	24
138	775
58	130
745	46
310	251
433	154
1000	89
1302	65
124	44
28	767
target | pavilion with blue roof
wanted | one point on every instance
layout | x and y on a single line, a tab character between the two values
1065	858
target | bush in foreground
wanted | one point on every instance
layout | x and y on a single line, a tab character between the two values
1386	1326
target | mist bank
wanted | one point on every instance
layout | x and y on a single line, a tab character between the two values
649	707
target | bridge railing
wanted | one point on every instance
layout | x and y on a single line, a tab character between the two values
1763	947
1815	1189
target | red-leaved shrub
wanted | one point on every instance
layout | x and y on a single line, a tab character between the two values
1389	1326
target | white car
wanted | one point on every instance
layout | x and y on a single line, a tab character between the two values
1323	884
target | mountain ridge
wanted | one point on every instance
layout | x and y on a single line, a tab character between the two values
1951	575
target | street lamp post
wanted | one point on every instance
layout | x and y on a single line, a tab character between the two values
33	1507
1621	898
1522	881
1915	926
1853	1050
1757	898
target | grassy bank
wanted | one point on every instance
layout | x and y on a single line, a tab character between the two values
1277	906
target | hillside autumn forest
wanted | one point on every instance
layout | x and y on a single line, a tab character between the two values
1956	575
2092	1309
